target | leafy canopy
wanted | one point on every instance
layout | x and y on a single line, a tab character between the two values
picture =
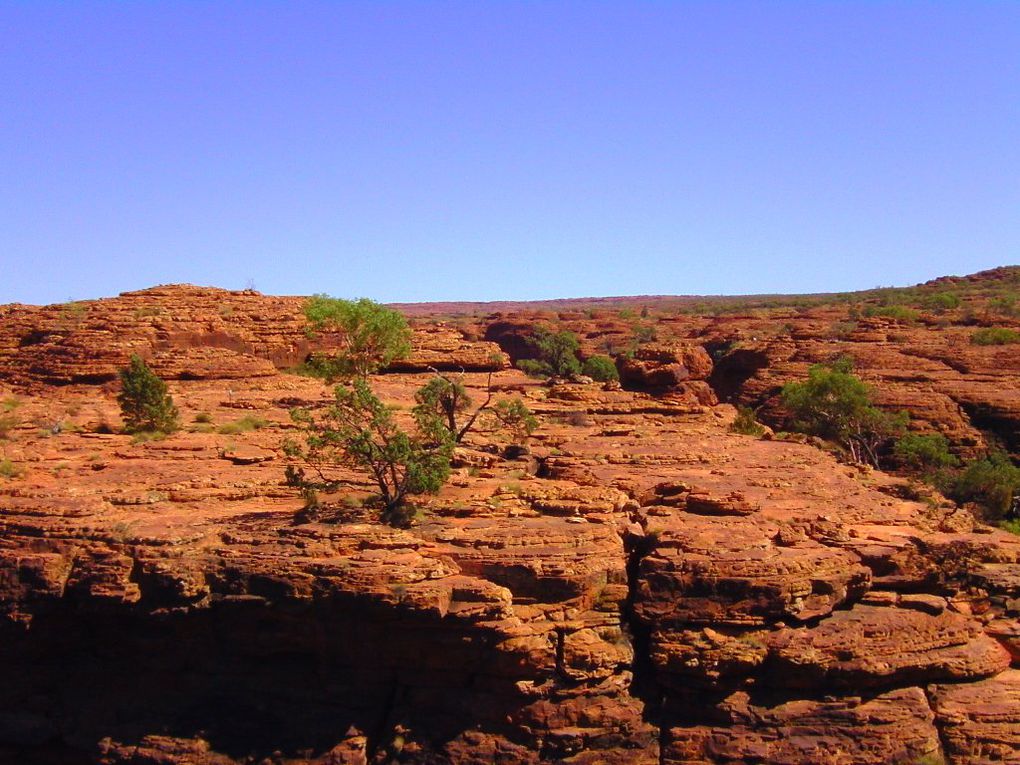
553	353
359	431
600	368
144	402
993	482
516	417
924	452
371	336
836	404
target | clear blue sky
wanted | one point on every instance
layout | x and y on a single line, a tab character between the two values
498	150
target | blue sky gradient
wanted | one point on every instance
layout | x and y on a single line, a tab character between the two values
480	151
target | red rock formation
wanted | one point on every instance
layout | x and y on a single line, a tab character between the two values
644	587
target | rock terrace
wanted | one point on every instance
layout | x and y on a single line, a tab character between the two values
644	587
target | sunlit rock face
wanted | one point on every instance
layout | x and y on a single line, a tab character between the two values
640	585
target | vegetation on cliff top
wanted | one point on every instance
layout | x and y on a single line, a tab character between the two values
359	431
145	404
369	335
834	403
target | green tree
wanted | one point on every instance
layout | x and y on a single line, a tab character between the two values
516	417
995	336
836	404
553	353
371	335
600	368
924	452
447	398
144	402
993	482
359	431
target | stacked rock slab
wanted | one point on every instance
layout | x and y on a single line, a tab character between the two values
643	587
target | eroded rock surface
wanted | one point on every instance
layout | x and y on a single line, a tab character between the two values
641	586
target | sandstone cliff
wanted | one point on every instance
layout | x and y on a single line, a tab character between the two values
645	587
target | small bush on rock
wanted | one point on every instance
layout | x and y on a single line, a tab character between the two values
993	482
371	335
554	354
995	336
144	402
359	431
924	452
516	417
600	368
746	424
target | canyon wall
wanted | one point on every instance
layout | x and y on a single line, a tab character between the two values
644	586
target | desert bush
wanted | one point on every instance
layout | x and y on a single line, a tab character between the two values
841	330
144	402
372	336
8	469
533	367
995	336
1005	305
447	399
835	404
516	417
600	368
746	424
898	313
924	452
359	431
644	333
940	302
243	425
992	482
203	418
8	422
552	354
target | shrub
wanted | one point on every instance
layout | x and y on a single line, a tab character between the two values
993	482
8	469
516	417
243	425
899	313
644	333
144	402
1006	305
600	368
836	404
924	452
203	417
534	368
940	302
841	330
746	424
553	354
371	335
8	422
995	336
359	431
446	399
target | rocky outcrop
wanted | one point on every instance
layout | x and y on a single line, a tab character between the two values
640	586
192	333
665	366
